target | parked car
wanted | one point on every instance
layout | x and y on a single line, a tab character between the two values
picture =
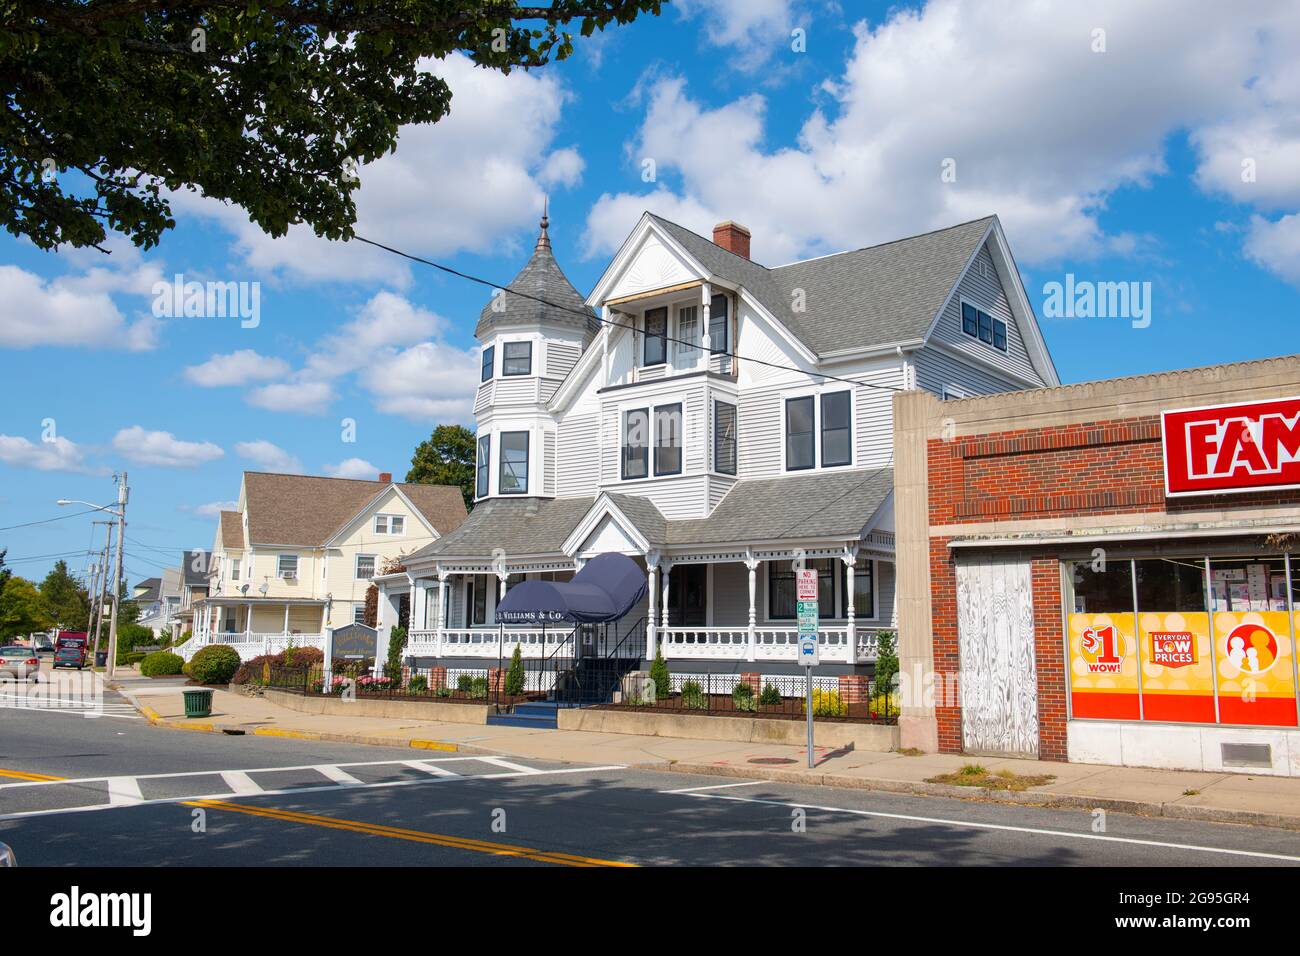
7	857
42	644
70	650
20	663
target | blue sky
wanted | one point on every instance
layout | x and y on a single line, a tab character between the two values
1117	141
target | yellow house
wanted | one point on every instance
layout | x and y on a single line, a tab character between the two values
298	553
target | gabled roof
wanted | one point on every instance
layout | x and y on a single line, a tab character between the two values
307	510
542	278
232	531
517	526
871	297
147	590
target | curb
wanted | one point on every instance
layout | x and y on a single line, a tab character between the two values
1031	798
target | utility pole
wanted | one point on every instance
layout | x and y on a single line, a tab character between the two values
97	621
123	493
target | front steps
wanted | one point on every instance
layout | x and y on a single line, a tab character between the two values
539	715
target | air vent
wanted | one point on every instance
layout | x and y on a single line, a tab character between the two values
1246	755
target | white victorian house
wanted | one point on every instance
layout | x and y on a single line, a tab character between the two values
718	420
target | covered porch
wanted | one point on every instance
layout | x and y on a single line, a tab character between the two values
256	626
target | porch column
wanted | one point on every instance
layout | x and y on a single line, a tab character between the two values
850	559
417	622
442	606
286	619
248	621
706	340
751	565
665	573
652	571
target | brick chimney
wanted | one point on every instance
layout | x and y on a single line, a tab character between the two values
733	237
386	477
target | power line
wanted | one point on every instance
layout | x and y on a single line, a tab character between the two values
75	514
621	325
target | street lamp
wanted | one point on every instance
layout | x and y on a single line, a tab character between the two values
123	493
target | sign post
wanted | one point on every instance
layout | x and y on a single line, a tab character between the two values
806	594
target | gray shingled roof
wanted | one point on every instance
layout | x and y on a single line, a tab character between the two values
543	278
195	572
868	297
515	525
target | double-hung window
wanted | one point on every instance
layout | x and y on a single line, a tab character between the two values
514	463
476	600
837	429
655	348
718	323
980	325
234	569
688	331
287	566
636	443
482	466
781	603
489	356
517	358
390	524
724	438
365	569
668	440
358	614
800	435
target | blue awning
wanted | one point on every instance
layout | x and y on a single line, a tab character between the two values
605	590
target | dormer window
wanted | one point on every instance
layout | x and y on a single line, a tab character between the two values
655	349
489	358
718	324
517	358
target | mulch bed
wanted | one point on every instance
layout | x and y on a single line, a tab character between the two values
722	705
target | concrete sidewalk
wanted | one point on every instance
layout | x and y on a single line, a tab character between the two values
1218	797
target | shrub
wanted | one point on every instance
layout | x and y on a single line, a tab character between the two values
396	644
129	637
253	670
214	664
771	697
693	696
161	664
515	675
742	697
827	703
135	657
886	662
472	686
419	685
659	674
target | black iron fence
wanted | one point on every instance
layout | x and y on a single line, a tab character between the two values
350	681
781	697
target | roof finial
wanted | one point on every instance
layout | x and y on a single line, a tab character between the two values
543	240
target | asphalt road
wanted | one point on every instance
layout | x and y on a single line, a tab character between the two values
133	794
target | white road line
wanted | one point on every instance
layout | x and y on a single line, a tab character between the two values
973	825
124	791
240	783
430	768
208	773
290	791
721	786
330	772
507	765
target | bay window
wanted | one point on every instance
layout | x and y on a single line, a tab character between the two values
517	358
668	440
724	438
514	463
482	466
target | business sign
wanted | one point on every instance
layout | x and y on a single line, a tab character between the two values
806	610
354	641
1173	648
1229	449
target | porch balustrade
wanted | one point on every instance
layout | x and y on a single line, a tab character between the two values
770	643
484	642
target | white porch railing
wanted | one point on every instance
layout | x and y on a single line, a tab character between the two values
770	643
485	642
250	645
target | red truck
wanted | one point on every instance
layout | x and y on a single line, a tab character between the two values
71	649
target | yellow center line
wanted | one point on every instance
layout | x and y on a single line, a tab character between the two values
414	836
23	775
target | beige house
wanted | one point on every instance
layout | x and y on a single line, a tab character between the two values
298	553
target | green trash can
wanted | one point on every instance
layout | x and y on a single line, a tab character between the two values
198	703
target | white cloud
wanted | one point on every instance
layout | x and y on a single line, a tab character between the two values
1041	128
211	509
1276	246
58	454
75	311
163	448
427	381
269	457
236	368
353	468
304	398
756	28
386	320
483	169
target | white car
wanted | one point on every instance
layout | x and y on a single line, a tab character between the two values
20	663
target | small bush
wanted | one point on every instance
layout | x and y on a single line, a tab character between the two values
693	696
474	687
771	697
659	674
253	671
419	685
742	697
827	703
214	664
161	664
886	674
515	675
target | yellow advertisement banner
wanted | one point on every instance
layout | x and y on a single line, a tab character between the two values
1256	669
1103	666
1177	666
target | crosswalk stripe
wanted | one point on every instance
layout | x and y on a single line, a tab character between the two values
338	776
427	767
240	783
124	791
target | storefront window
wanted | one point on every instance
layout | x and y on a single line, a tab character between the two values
1171	584
1253	635
1102	586
1102	647
1174	632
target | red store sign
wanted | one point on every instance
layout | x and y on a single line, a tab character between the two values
1222	449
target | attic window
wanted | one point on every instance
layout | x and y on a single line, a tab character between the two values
980	325
390	524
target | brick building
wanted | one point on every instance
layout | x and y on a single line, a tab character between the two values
1102	572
